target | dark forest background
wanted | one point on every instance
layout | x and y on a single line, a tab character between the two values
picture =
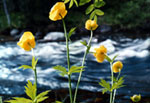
33	14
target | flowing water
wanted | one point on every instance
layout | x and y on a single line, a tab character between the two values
135	55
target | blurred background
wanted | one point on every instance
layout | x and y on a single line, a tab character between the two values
124	30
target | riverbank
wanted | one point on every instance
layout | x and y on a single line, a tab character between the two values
102	33
83	96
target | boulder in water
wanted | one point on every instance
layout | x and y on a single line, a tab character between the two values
54	36
14	32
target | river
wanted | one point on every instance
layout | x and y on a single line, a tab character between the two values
134	53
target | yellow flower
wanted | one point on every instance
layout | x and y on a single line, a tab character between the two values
117	66
100	53
27	41
58	11
136	98
91	25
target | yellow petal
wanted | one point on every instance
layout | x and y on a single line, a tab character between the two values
117	66
91	25
58	11
100	57
27	41
100	53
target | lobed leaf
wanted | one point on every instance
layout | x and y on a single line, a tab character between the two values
31	90
75	69
114	58
25	67
71	32
106	86
118	84
61	69
19	100
83	43
42	96
34	62
107	58
104	90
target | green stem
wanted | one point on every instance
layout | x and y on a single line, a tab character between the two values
112	77
116	89
79	78
68	60
35	75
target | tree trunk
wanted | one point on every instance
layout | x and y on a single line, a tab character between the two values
6	12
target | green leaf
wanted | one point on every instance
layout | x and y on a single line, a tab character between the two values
84	43
61	69
66	1
71	32
83	2
19	100
114	58
89	9
1	100
96	1
99	12
34	62
30	90
76	3
105	85
118	84
99	4
58	102
95	18
42	96
71	4
104	90
75	69
108	59
25	67
88	48
92	15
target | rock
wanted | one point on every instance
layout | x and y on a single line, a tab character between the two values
14	32
54	36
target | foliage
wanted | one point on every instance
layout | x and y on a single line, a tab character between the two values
33	64
93	9
107	87
1	100
17	20
71	2
131	13
63	70
30	90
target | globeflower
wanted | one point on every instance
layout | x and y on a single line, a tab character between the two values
58	11
91	25
100	53
27	41
136	98
117	66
